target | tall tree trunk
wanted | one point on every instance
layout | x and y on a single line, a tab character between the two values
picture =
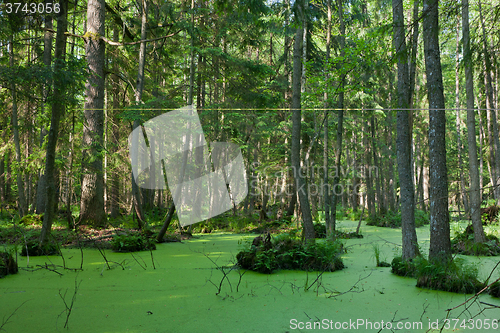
495	143
136	193
22	206
171	209
457	124
58	109
475	193
47	59
92	200
440	245
326	104
115	138
340	124
300	181
410	244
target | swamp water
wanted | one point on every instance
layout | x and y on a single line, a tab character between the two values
180	294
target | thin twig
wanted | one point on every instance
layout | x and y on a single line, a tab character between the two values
6	321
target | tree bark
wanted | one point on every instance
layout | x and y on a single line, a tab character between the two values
495	143
58	109
300	181
340	125
115	139
92	200
440	245
47	60
474	193
463	193
22	206
410	244
136	193
326	164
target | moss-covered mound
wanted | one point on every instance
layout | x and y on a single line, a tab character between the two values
33	248
285	251
393	219
456	276
494	289
320	230
7	264
463	243
132	242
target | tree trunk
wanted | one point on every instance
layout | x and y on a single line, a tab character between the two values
115	138
58	109
92	200
410	244
440	245
47	59
340	124
474	193
296	129
457	124
22	207
136	193
495	144
326	104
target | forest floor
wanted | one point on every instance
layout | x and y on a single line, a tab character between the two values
179	287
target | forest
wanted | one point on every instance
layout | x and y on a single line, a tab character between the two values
249	165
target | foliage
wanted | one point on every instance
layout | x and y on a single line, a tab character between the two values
286	251
36	219
455	276
463	243
7	263
353	214
132	242
393	219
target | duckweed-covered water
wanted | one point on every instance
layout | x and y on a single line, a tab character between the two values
180	294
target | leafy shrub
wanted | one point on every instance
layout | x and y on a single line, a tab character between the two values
463	243
353	215
288	252
36	219
393	219
132	242
455	276
7	264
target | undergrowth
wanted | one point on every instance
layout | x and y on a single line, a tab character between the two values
320	230
132	242
463	243
393	219
455	276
